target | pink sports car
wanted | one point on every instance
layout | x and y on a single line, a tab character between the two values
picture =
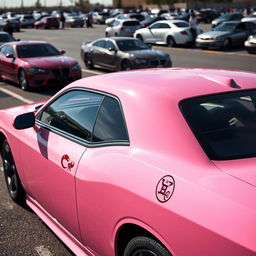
141	163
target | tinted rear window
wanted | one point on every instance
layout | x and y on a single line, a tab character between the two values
224	124
131	23
181	24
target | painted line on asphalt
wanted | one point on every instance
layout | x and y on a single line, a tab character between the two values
16	96
92	71
42	251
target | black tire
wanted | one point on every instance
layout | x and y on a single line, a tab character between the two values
226	44
140	37
126	65
170	41
23	80
88	62
144	246
15	189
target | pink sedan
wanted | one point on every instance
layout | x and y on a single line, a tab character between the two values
142	163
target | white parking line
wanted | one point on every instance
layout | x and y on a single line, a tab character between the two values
92	71
16	96
43	251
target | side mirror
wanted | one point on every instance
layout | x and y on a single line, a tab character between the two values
62	52
150	46
9	55
24	121
18	39
112	49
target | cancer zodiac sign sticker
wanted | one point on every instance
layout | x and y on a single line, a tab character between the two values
165	188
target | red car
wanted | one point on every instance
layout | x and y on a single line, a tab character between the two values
37	64
47	22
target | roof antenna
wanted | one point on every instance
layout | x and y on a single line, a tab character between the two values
233	84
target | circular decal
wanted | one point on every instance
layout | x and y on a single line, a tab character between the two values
165	188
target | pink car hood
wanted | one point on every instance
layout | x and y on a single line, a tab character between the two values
50	61
242	169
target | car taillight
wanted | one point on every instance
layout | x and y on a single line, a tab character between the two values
184	32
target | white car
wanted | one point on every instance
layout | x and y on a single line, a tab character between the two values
251	18
170	32
122	28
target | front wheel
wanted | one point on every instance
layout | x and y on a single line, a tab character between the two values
126	65
88	62
144	246
226	44
13	183
23	81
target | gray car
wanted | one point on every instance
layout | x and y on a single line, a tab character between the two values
5	38
226	35
122	53
227	17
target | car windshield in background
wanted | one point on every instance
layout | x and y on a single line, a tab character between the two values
5	38
36	50
131	23
225	27
224	124
181	24
131	45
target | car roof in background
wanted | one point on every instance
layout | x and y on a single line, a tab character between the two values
27	42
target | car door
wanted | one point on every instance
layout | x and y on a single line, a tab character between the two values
152	33
97	51
110	55
7	62
240	35
161	32
52	150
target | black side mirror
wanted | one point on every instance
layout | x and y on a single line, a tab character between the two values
24	121
9	55
62	52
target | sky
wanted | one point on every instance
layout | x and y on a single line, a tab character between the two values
17	3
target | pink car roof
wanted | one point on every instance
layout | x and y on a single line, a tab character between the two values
176	83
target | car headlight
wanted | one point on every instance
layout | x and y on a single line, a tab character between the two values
141	61
76	67
250	37
38	71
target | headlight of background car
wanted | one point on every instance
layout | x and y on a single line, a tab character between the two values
39	71
141	61
76	67
250	37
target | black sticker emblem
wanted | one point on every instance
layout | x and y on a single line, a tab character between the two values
165	188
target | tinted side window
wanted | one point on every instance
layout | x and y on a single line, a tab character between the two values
110	125
100	43
74	112
154	26
164	25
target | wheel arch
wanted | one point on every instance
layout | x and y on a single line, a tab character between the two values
130	230
2	138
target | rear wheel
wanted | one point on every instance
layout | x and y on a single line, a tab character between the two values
13	183
170	41
140	37
23	81
144	246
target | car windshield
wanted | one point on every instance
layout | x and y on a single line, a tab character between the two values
36	50
6	38
225	26
225	16
224	124
131	45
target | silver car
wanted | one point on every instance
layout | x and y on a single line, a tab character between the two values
122	28
226	35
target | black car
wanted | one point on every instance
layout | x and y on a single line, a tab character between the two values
5	38
207	15
151	19
122	53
